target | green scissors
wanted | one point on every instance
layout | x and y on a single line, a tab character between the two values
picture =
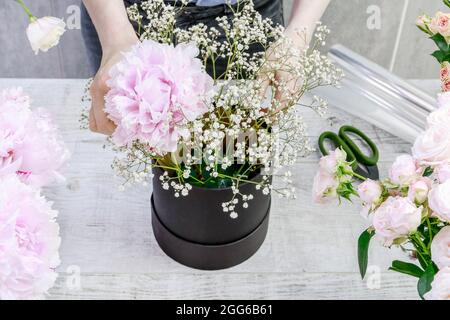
364	165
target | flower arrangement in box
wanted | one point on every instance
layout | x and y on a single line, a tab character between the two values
211	137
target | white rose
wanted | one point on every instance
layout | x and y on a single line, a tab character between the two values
440	288
396	218
432	147
439	117
440	248
438	200
44	33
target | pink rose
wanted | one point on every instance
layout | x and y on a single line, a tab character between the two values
443	99
440	288
432	147
445	70
418	190
396	218
330	162
443	172
440	248
370	191
440	24
324	187
403	170
438	200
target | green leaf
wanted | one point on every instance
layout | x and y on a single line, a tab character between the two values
363	251
424	284
447	3
439	55
441	42
428	172
406	268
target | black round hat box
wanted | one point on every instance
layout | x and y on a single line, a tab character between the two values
194	231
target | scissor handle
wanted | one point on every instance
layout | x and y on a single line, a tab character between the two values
338	142
359	155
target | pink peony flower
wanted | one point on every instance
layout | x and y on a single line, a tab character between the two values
30	145
432	147
403	170
438	201
155	91
443	172
370	191
324	187
440	288
418	190
440	248
397	217
29	241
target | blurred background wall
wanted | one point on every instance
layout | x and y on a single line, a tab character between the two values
382	30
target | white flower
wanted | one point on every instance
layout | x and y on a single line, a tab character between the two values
44	33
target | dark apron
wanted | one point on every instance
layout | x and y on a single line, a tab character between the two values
191	15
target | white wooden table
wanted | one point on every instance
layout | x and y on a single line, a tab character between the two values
309	253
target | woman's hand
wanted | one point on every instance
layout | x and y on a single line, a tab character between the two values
302	23
116	36
98	119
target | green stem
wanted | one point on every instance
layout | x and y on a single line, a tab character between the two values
358	176
26	9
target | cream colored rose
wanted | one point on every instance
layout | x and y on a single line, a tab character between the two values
44	33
